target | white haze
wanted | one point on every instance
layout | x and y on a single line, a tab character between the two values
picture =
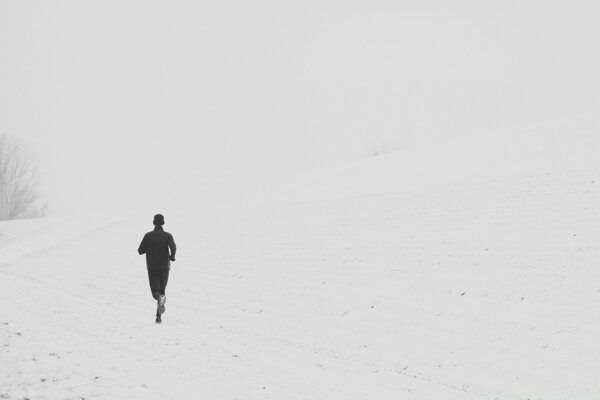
140	103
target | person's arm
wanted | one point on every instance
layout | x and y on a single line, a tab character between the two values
142	248
172	247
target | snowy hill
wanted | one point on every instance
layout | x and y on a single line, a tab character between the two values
390	279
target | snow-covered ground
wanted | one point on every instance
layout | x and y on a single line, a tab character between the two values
396	278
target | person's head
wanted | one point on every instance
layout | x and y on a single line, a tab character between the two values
159	220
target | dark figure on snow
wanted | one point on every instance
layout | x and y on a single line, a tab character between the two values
160	249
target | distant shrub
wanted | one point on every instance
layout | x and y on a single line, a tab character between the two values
382	145
18	199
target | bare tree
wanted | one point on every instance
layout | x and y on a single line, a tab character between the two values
17	180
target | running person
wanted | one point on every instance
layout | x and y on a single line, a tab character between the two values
160	249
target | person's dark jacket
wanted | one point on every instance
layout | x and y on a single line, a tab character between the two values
156	246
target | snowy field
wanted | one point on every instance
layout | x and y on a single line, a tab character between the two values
357	285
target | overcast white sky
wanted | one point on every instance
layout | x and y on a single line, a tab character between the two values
130	102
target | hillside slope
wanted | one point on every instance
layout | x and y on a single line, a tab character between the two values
482	289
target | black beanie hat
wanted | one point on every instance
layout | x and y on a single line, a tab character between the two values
159	219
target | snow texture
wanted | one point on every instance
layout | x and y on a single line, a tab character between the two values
362	284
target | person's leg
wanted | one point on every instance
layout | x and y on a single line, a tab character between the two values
164	278
154	278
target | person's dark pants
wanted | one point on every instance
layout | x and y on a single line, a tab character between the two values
158	281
